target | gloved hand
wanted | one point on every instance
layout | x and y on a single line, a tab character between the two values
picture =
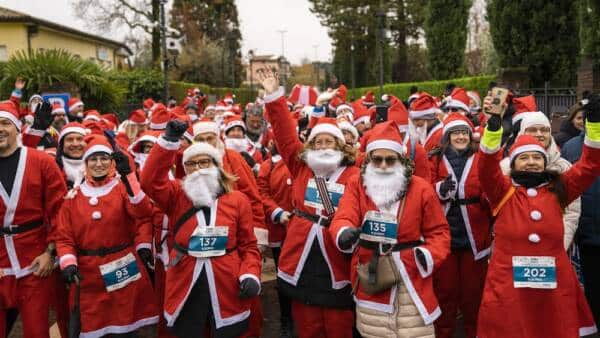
494	123
175	130
448	185
146	257
421	258
348	238
249	288
70	273
122	163
43	116
591	106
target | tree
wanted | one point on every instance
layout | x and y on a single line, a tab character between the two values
200	65
406	22
140	16
589	29
212	22
539	36
446	37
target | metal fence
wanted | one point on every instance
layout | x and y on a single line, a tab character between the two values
551	101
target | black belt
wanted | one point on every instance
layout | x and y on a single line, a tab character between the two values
320	220
102	251
18	229
465	201
387	247
182	250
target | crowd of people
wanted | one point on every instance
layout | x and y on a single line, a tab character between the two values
384	220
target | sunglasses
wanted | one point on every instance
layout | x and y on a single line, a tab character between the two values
389	160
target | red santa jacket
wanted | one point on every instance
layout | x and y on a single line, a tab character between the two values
421	219
301	233
243	259
476	214
37	194
434	137
529	223
274	183
106	217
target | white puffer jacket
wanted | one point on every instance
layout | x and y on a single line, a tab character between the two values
560	165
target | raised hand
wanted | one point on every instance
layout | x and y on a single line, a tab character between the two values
175	130
269	80
122	163
42	117
19	83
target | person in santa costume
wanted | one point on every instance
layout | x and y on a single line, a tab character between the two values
530	276
116	294
257	130
427	127
349	131
274	182
214	268
386	195
311	270
536	124
31	192
234	136
459	281
76	108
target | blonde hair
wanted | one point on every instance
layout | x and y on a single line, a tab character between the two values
348	151
227	181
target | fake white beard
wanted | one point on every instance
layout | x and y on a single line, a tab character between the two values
202	186
417	133
324	161
74	170
384	186
237	144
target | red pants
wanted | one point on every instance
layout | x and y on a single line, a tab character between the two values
30	295
318	321
255	320
159	290
458	285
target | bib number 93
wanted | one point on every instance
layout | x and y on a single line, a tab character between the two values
122	273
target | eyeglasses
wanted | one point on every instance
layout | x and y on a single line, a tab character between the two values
204	163
455	110
534	130
324	143
389	160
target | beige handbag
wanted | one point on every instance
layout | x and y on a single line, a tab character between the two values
381	273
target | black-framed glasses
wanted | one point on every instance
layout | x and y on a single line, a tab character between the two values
203	163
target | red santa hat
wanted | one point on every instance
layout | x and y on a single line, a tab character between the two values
386	135
138	116
8	111
526	143
203	148
148	104
423	107
522	106
57	108
92	114
147	136
210	107
347	126
305	95
233	121
229	98
361	115
458	99
160	118
368	99
456	121
96	144
399	114
205	125
327	125
111	117
474	96
72	127
189	133
74	103
343	106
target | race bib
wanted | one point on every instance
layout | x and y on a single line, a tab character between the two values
119	273
537	272
380	227
208	242
312	198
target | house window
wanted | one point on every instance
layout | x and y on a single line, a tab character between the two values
3	53
103	54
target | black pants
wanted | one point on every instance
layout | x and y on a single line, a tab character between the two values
590	256
285	304
197	314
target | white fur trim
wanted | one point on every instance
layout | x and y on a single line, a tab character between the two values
66	260
205	127
97	149
328	129
137	198
145	138
457	104
143	246
344	106
117	329
75	105
275	95
68	130
525	148
419	114
36	132
12	118
387	144
456	123
202	148
345	125
588	330
168	145
235	123
249	275
425	271
533	118
363	119
262	236
158	126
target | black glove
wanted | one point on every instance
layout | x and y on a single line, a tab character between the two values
70	273
592	108
448	185
175	129
494	123
249	288
421	258
348	238
146	257
122	163
43	116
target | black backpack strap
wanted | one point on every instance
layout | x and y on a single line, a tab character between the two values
186	215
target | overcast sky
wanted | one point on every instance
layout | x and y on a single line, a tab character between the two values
260	22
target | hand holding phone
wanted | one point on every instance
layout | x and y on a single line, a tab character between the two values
498	104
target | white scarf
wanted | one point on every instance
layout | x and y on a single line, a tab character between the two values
237	144
74	170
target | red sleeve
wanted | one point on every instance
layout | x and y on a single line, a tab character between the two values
143	234
421	163
284	131
55	190
155	176
434	163
66	249
583	173
32	137
349	213
493	183
434	227
264	188
246	241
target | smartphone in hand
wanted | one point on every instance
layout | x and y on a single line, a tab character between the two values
499	96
